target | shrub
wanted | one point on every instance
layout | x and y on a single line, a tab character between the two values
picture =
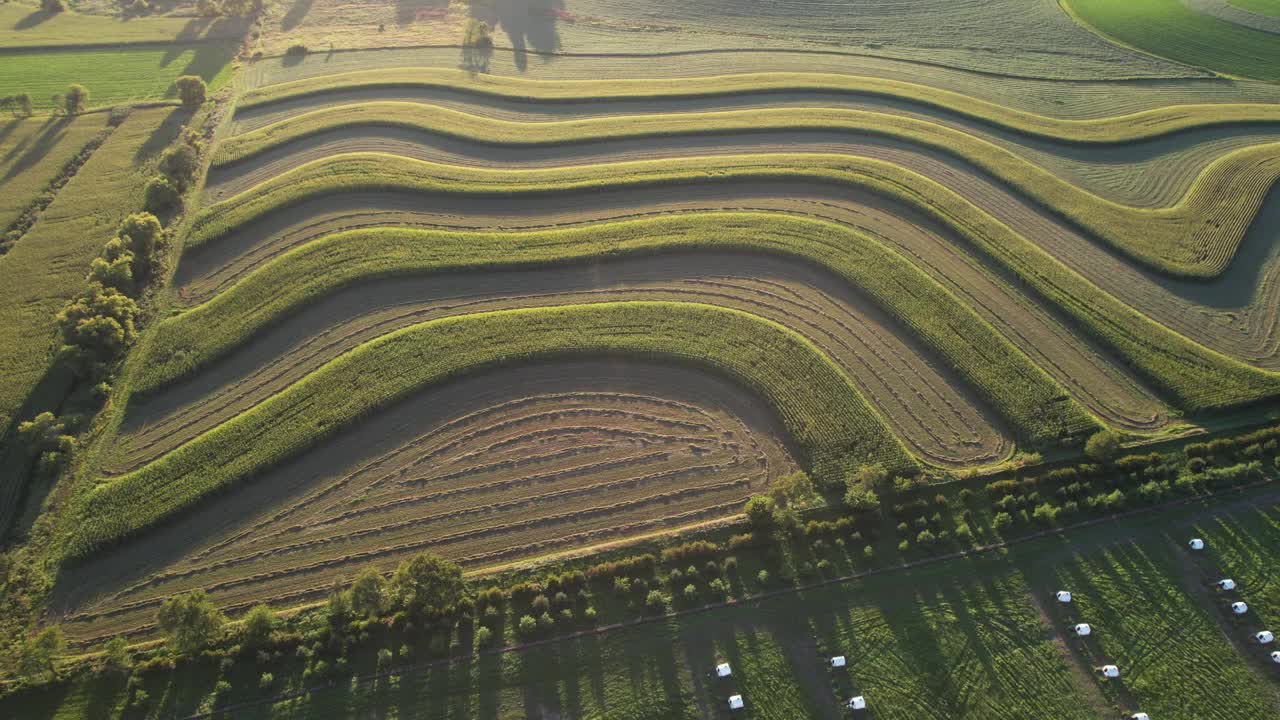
191	90
760	513
690	551
161	194
762	577
190	621
1046	514
266	680
257	626
527	626
926	537
1102	446
180	163
484	636
1002	520
476	34
904	546
296	50
655	602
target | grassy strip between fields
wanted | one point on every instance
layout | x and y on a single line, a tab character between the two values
1196	237
1171	29
1197	378
827	417
1035	405
1117	129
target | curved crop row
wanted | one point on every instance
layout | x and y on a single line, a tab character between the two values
1196	377
1032	402
1196	237
828	418
1118	129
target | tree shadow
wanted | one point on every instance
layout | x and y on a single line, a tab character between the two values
6	131
528	24
37	149
409	10
297	12
475	60
163	136
35	18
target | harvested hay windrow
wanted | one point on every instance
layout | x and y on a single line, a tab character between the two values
1036	406
1197	378
1118	129
828	419
1197	237
495	468
931	408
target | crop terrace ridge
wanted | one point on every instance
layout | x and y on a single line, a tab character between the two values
1142	125
1196	377
826	415
1196	237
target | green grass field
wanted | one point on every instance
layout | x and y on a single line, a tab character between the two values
114	76
1170	29
1163	640
1262	7
32	153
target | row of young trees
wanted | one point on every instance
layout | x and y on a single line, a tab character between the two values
19	105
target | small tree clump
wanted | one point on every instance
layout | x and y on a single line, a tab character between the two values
760	513
191	90
191	621
76	99
1103	446
476	34
258	625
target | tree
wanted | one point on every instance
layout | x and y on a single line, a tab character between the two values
861	499
23	101
53	6
117	657
427	582
873	477
794	491
180	163
476	34
99	322
1102	446
257	626
38	654
76	98
191	621
760	512
161	194
114	269
192	90
368	596
141	233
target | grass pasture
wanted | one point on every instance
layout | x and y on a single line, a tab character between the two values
1262	7
116	75
1147	622
1170	29
26	26
33	152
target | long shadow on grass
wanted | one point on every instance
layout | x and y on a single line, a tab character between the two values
163	136
297	12
50	135
32	20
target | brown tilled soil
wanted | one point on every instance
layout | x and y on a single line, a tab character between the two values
505	465
930	407
1088	372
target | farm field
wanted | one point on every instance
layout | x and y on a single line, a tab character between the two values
33	152
48	264
1262	7
1171	29
529	358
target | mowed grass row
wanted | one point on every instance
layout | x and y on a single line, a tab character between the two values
1171	29
1037	407
33	152
49	265
1196	237
1174	661
831	423
114	76
1132	127
1196	378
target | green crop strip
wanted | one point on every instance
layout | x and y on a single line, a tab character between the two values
1197	237
1171	29
1119	129
1032	402
1197	378
825	414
